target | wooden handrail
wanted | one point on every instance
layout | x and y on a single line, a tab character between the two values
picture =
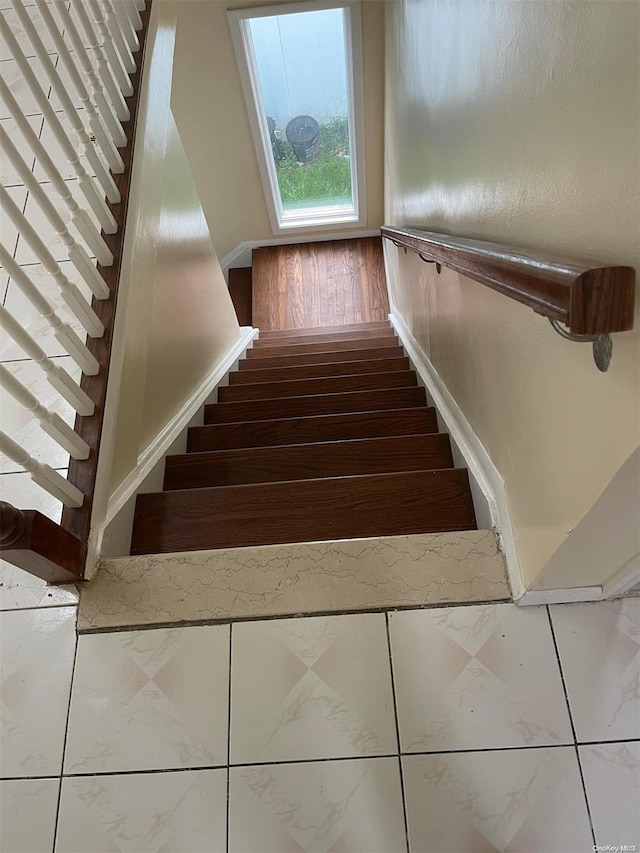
589	298
38	545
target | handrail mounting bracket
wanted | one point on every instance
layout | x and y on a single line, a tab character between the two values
429	261
602	344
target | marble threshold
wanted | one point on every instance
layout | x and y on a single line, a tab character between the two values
292	580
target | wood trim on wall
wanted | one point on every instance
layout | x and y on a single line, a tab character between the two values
589	298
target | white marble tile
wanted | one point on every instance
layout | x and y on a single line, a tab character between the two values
28	810
12	76
68	86
599	647
146	700
36	664
8	232
21	491
22	38
87	42
8	174
287	580
18	305
612	778
322	686
144	813
55	152
324	807
477	677
6	4
20	589
57	155
25	254
21	425
510	800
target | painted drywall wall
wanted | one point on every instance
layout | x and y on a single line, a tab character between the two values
211	115
519	122
607	538
175	318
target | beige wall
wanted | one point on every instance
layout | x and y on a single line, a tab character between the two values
175	318
519	122
606	539
209	107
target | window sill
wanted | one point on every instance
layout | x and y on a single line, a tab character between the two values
320	218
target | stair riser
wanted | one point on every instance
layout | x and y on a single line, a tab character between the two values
308	461
302	511
317	371
323	330
306	430
240	287
330	346
327	385
365	334
320	358
324	404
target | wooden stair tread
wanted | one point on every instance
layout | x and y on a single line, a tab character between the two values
303	510
340	427
317	371
262	362
321	385
308	461
350	343
319	404
320	330
325	337
322	432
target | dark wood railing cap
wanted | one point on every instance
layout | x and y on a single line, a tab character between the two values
38	545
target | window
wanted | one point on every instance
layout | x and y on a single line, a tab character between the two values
301	71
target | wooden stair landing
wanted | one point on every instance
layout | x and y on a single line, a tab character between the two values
321	434
309	285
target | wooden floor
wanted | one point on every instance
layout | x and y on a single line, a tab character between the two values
307	285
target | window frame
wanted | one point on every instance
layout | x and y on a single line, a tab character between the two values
326	218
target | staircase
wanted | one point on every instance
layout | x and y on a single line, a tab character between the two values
321	434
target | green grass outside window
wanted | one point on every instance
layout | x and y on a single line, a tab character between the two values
326	180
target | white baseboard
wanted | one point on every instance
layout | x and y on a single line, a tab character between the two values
241	255
560	596
155	452
626	578
482	471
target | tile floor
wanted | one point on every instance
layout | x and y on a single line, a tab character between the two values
461	729
16	487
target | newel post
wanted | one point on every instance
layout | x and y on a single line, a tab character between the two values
12	524
38	545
